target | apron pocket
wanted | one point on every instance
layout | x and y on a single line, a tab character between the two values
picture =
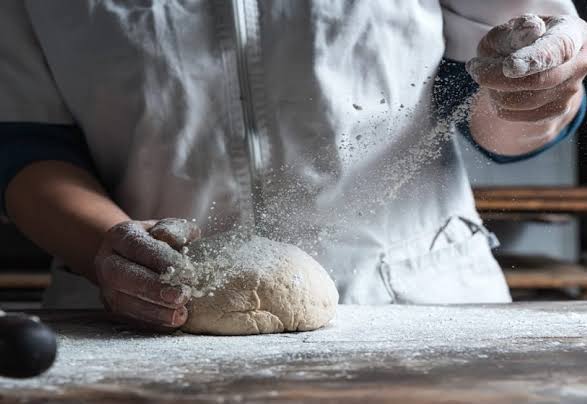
464	271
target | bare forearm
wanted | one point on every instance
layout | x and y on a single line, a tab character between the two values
500	133
64	210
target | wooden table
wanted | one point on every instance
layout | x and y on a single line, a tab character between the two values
418	354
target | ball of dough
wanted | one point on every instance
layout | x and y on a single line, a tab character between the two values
254	285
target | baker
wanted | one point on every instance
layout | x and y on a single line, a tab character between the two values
323	124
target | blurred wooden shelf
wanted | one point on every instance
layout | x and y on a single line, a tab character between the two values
550	205
541	272
540	200
18	279
549	218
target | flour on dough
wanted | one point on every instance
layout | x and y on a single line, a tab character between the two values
252	285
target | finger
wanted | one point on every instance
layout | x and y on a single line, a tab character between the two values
491	76
547	112
517	33
526	30
125	276
496	42
530	100
143	311
132	241
561	42
175	232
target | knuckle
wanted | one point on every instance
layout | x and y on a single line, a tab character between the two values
134	272
120	230
114	263
486	45
175	232
169	226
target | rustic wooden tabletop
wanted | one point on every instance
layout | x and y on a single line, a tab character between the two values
418	354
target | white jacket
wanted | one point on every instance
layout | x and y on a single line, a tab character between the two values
308	119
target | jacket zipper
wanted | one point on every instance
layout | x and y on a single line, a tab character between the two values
251	127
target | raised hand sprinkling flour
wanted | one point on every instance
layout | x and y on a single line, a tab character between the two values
530	71
530	44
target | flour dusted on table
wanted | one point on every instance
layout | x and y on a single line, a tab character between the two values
245	284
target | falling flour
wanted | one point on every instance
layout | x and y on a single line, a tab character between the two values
424	150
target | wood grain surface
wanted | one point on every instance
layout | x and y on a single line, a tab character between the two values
483	354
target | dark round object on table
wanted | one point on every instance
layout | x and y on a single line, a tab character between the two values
27	347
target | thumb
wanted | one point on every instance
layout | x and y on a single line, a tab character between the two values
561	42
175	232
503	40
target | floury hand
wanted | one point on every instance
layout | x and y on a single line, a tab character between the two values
132	256
531	69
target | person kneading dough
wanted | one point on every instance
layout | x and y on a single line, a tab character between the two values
329	127
246	284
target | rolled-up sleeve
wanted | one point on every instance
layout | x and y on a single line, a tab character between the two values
35	123
467	21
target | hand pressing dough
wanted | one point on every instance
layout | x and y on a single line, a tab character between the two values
253	285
